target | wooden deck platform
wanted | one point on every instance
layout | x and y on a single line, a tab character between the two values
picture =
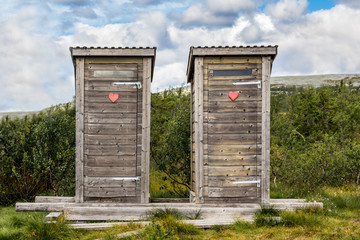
211	214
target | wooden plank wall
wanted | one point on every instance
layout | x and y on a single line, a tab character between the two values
113	131
231	131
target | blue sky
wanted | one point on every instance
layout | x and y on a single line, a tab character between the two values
314	37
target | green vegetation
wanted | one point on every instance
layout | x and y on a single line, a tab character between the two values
170	140
315	138
37	154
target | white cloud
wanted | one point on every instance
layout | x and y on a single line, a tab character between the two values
287	9
324	42
350	3
230	6
31	65
169	75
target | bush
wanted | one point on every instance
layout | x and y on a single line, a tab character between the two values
37	154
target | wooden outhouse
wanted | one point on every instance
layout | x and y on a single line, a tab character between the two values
230	91
112	123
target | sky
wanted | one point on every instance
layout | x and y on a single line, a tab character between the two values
36	71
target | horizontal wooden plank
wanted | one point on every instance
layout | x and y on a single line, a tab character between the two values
110	83
122	150
234	117
228	51
115	129
219	95
111	139
224	150
116	52
228	128
90	86
229	181
232	171
111	66
231	66
233	200
112	161
110	171
232	192
112	60
230	107
116	118
113	108
123	92
225	139
221	84
234	160
102	192
231	60
109	182
101	97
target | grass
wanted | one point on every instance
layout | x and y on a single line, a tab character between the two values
339	219
160	186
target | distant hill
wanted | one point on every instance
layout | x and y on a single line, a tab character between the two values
315	80
13	115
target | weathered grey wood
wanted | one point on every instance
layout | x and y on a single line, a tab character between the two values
111	161
244	95
225	60
233	150
233	160
111	129
199	172
233	138
231	171
112	108
226	181
228	51
240	128
237	106
106	192
79	85
109	182
40	199
232	66
234	117
142	52
232	191
265	130
110	171
97	139
112	66
145	151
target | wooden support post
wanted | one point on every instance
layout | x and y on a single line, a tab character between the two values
265	131
145	148
199	119
79	86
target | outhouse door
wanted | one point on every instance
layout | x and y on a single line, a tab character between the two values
234	129
112	128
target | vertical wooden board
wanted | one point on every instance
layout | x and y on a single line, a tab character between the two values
145	152
79	85
265	133
199	172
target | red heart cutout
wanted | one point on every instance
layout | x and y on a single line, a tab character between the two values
113	96
233	95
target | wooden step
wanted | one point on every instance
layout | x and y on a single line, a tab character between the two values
142	213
